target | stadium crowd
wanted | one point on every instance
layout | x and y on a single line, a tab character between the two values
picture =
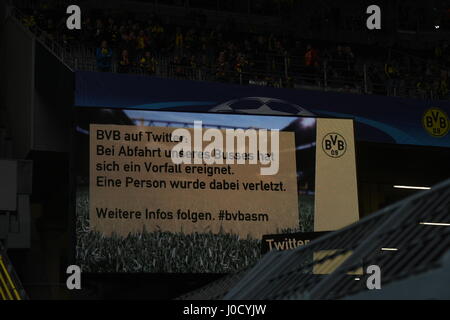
126	43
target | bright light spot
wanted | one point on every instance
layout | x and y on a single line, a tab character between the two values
412	187
436	224
307	122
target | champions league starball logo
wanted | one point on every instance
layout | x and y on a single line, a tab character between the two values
261	105
257	139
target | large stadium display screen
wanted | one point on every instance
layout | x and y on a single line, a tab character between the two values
179	192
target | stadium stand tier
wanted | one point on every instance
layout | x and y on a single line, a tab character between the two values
161	41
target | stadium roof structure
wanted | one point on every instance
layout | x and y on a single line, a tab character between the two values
409	241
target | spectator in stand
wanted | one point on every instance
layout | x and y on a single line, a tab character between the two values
278	59
115	36
104	56
109	28
422	87
141	42
204	67
127	43
311	59
240	68
247	48
438	52
29	20
147	63
338	62
271	42
375	79
190	41
442	87
445	54
124	62
260	46
179	42
51	29
157	34
222	67
392	77
350	61
133	37
178	67
87	30
193	64
99	33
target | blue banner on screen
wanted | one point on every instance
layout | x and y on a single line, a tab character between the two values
378	119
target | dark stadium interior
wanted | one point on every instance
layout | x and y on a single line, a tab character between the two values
321	46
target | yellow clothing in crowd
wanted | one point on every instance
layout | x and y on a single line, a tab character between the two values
29	21
179	40
141	42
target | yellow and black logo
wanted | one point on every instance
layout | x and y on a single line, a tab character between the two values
334	145
436	122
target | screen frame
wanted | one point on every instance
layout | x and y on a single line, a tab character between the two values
151	275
